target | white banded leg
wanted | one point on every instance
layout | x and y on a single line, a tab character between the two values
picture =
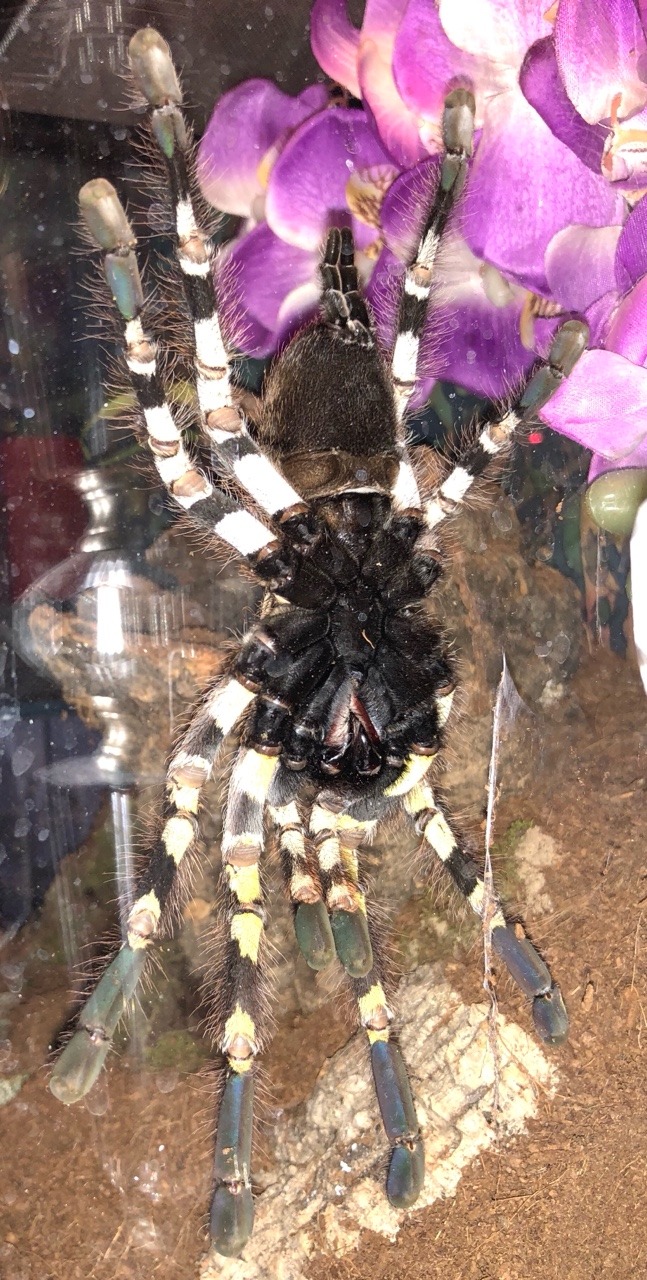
211	509
336	837
222	418
242	1001
494	438
458	130
311	922
83	1057
517	952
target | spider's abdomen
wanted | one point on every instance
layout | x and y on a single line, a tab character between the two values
348	688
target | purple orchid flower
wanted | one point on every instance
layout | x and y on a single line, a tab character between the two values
588	83
525	184
291	167
603	404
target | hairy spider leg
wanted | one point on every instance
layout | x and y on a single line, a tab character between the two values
358	950
232	1208
517	952
222	419
207	507
458	133
335	835
311	923
83	1057
407	1163
487	442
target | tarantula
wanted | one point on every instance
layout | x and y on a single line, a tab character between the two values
342	689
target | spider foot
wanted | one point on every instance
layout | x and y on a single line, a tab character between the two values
407	1165
531	973
83	1057
314	935
352	942
232	1207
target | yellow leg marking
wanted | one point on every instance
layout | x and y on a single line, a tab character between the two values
143	920
377	1035
372	1002
444	706
477	897
185	798
321	819
419	798
239	1023
227	705
253	774
177	836
440	837
246	929
294	843
244	882
414	771
328	853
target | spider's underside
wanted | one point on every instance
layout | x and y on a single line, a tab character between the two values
344	685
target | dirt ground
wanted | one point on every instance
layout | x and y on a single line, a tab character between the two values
120	1192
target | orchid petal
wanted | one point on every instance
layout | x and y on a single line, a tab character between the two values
259	275
600	465
335	42
627	332
601	52
631	256
625	154
524	187
598	316
602	404
497	29
580	265
246	123
541	84
397	126
426	65
307	187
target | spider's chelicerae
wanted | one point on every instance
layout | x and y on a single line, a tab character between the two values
342	689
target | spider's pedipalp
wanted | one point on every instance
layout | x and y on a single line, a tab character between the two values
342	303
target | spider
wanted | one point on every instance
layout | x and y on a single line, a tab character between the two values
341	691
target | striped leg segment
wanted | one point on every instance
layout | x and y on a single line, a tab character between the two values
210	508
83	1057
232	1208
517	952
222	419
311	921
341	299
407	1164
476	455
336	837
458	132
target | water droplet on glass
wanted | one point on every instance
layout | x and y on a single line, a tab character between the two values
21	760
167	1081
14	347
